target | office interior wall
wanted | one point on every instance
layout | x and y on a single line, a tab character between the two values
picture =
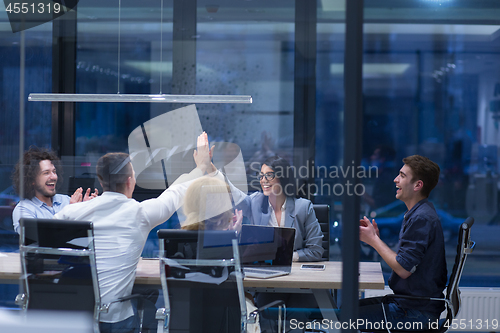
429	89
37	121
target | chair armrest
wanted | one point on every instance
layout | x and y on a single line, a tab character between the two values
448	304
161	314
21	300
423	298
470	247
252	316
105	307
126	298
270	305
163	317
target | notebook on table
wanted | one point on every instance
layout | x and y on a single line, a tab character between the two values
266	252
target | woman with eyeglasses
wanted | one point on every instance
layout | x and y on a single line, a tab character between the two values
278	206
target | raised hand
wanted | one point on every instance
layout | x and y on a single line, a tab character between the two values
203	155
89	196
237	220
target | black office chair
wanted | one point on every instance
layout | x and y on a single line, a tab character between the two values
323	215
452	299
202	269
322	212
58	268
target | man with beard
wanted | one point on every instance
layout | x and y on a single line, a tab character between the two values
41	167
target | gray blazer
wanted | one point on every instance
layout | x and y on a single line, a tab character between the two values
299	214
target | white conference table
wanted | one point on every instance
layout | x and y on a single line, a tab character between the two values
370	276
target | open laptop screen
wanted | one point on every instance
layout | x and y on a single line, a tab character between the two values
216	244
256	248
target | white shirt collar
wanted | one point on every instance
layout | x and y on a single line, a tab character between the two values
273	221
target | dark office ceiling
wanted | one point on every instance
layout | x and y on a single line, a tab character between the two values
392	26
388	11
142	18
382	11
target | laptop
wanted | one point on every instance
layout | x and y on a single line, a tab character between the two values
266	252
216	244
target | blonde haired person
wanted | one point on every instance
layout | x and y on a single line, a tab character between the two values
207	206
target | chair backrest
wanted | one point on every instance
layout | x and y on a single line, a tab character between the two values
58	266
192	244
323	215
213	288
176	243
464	247
54	234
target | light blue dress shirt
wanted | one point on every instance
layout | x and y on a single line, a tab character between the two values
35	208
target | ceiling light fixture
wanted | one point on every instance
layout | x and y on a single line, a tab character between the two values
120	98
138	98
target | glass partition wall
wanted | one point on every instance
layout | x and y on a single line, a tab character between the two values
30	51
430	87
187	47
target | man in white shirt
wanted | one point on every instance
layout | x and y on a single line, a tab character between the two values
121	227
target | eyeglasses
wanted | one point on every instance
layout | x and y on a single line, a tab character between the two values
269	176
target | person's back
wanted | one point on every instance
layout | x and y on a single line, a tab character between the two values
121	227
120	232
